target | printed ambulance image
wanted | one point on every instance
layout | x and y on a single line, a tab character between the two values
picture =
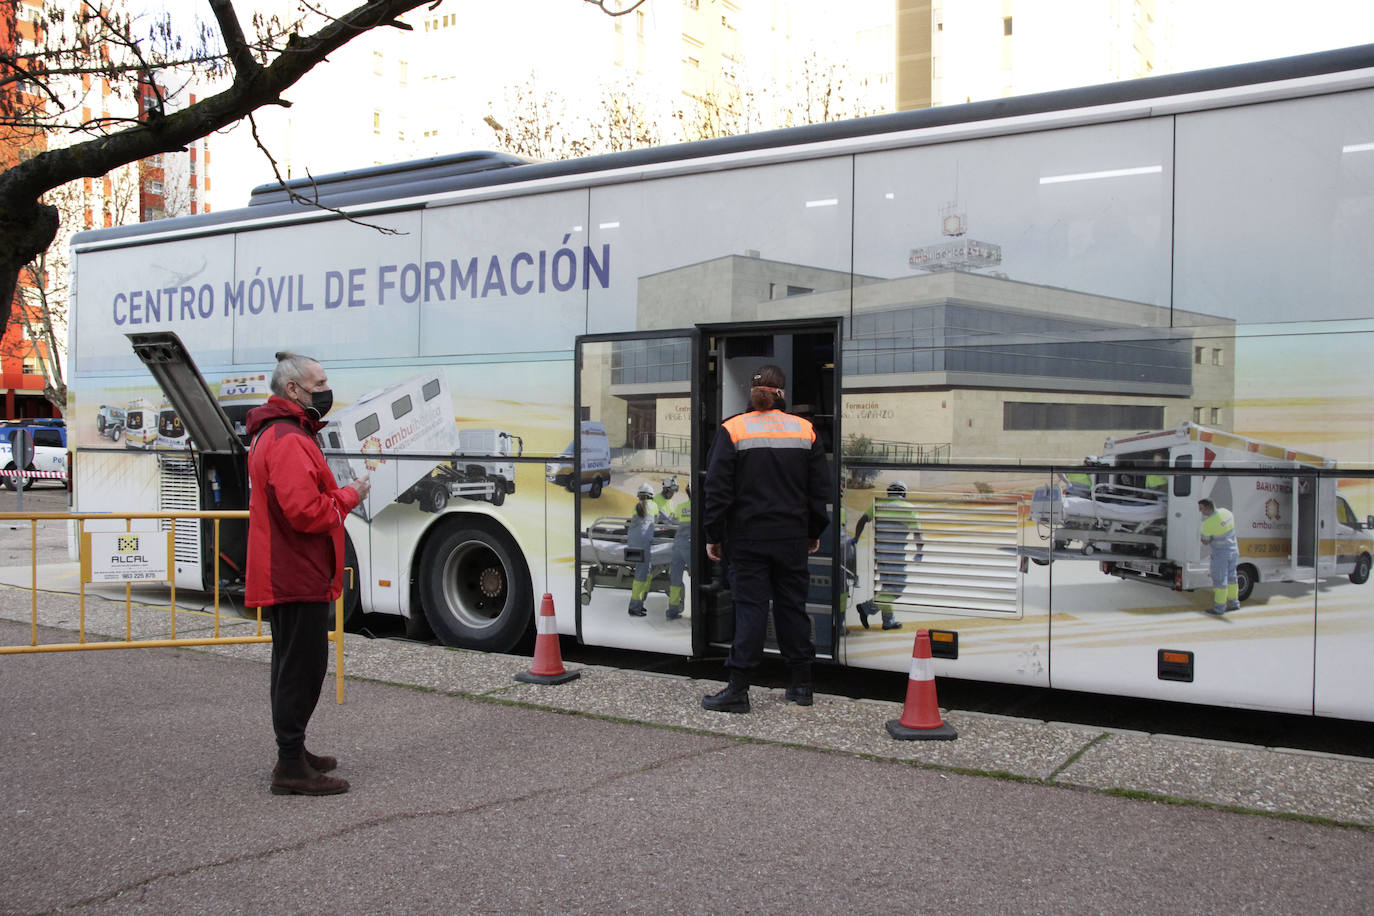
241	394
395	434
140	424
171	433
1146	526
596	462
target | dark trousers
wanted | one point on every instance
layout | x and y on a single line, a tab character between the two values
760	571
300	659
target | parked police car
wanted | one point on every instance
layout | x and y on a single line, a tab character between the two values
49	449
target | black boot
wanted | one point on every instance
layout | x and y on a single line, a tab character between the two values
296	777
799	690
734	698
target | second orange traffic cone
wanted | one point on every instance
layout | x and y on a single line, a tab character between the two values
548	660
920	719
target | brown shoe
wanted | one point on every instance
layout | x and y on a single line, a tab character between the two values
321	764
296	777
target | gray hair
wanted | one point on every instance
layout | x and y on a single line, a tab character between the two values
291	367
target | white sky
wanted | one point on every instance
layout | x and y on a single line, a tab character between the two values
1208	33
1214	33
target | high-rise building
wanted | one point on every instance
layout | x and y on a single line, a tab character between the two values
951	51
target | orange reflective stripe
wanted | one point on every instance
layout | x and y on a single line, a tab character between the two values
770	429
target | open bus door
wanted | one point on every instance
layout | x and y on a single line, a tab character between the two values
218	471
808	352
648	405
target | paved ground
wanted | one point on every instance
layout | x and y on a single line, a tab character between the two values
136	781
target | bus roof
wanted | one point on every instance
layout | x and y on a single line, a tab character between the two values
418	179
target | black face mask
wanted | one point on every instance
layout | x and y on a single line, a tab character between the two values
320	402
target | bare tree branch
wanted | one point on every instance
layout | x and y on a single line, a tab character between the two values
617	12
28	226
312	200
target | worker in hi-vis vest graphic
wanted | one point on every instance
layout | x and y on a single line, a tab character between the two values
1219	532
639	537
897	524
679	515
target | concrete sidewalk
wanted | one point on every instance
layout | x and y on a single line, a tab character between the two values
137	780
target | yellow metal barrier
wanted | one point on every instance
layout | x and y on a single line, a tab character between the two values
128	642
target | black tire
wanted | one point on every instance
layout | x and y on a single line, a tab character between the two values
1246	577
595	491
475	586
12	483
352	597
435	498
498	493
100	424
118	431
1360	574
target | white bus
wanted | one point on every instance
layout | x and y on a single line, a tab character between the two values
967	301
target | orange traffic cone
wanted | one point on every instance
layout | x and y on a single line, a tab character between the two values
920	719
548	661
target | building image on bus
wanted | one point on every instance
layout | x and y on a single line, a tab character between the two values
967	301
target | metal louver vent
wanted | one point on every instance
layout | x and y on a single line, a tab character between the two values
178	489
948	552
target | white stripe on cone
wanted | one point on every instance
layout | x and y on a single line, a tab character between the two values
546	625
922	669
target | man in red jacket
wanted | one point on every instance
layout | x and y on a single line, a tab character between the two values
295	559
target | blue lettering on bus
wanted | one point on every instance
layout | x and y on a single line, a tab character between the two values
525	273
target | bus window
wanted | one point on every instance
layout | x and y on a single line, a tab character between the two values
333	439
431	390
400	407
366	426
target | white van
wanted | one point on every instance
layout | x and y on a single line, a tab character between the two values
596	462
140	424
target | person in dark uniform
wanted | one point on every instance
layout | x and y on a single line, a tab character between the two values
766	485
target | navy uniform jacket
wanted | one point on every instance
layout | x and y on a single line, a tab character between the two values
766	480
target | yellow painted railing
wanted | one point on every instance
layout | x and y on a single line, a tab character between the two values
128	642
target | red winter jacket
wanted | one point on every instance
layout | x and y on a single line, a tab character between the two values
296	510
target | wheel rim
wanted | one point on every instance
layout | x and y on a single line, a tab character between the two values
475	584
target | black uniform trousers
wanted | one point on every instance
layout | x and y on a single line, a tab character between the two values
760	571
300	660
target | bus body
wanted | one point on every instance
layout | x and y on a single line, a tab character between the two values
966	301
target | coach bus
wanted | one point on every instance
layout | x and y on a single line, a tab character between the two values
976	305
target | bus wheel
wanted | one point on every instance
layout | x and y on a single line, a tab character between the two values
475	587
595	491
1246	577
1360	574
498	493
352	602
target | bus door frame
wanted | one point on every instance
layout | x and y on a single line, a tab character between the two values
694	388
707	406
